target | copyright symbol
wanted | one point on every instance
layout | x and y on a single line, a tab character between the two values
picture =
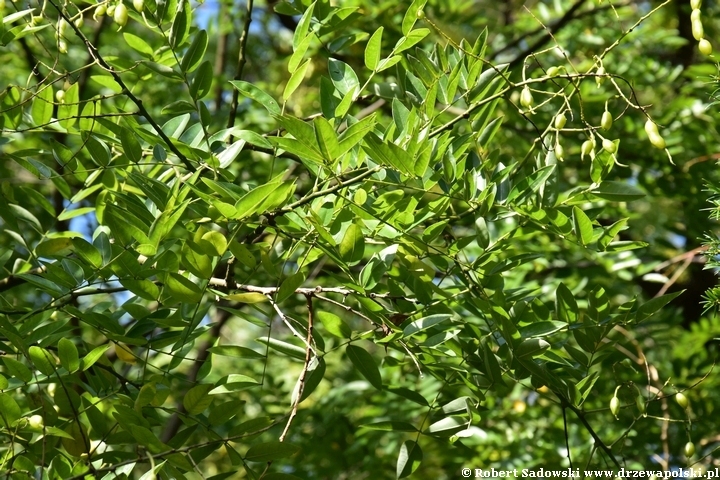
466	472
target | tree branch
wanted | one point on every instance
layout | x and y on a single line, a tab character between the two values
240	65
125	90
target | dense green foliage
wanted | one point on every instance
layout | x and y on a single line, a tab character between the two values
354	240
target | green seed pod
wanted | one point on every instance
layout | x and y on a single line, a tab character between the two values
653	135
121	14
609	146
705	47
100	10
606	121
640	404
79	22
62	46
553	71
695	15
139	5
682	400
600	78
587	148
526	98
559	152
697	29
689	449
60	96
61	27
560	121
111	10
695	4
615	405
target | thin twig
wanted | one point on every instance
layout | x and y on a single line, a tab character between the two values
303	374
242	59
125	90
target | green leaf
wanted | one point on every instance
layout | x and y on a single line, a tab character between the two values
424	323
68	110
334	324
365	364
68	353
289	285
583	226
411	39
411	16
253	92
98	150
373	49
389	154
181	24
409	459
182	289
303	26
651	307
131	145
42	106
235	351
17	369
249	297
265	452
225	411
92	357
327	139
295	79
618	192
138	44
610	232
195	53
250	203
283	347
531	347
565	305
196	400
9	411
202	83
343	76
299	54
352	246
390	426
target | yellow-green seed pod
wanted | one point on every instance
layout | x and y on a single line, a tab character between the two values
60	96
587	148
615	405
560	121
682	400
100	10
705	47
110	10
600	78
61	27
559	152
609	146
79	22
121	14
689	449
695	4
653	135
62	46
695	15
640	404
526	98
606	121
553	71
697	30
139	5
